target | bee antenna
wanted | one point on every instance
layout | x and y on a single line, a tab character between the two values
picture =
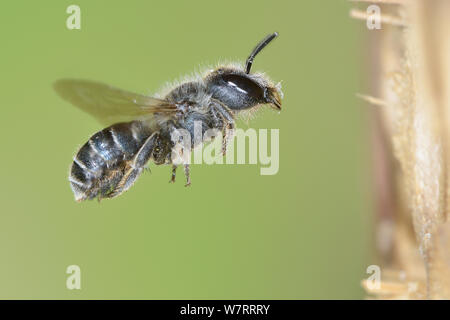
261	45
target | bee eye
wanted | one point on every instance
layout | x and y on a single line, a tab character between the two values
245	86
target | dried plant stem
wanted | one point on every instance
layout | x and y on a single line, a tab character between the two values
382	1
372	100
413	83
385	19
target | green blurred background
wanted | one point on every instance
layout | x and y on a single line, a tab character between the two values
303	233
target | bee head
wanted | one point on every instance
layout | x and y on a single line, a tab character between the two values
238	89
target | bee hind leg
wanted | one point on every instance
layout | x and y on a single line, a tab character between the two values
187	173
121	179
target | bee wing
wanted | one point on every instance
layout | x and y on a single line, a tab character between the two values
111	105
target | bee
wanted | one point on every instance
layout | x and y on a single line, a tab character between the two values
139	127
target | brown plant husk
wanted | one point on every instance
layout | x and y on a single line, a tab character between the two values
410	84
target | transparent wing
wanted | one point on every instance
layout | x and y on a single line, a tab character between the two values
108	104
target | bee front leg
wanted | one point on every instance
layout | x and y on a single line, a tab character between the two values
228	118
228	133
187	174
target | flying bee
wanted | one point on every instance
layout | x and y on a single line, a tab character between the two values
140	127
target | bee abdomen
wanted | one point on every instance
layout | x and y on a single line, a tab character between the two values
104	166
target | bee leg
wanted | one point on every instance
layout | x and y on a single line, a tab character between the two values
218	122
187	174
224	111
145	152
131	169
228	119
174	173
228	133
217	119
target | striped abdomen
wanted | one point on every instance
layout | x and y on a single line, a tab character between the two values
111	160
